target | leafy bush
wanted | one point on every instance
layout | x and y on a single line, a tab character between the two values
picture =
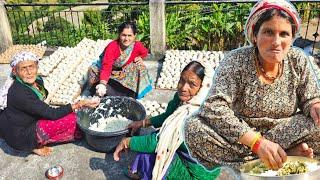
57	23
192	26
92	17
143	25
205	27
308	10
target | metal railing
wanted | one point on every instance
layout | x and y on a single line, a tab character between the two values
209	25
218	25
66	24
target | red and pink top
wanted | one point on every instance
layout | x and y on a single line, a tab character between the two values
112	53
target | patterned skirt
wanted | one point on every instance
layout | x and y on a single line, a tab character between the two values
56	131
133	77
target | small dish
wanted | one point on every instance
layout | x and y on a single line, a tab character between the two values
311	174
54	172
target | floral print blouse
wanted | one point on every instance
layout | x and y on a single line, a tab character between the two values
240	102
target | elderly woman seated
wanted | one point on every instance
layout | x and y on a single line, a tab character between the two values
172	158
28	123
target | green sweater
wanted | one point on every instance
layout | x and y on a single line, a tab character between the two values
179	167
148	143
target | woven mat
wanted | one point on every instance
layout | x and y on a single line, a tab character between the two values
5	57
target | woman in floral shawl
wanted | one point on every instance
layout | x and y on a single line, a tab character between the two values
120	70
265	101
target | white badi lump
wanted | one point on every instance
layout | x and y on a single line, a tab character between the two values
176	60
47	64
153	108
66	67
110	124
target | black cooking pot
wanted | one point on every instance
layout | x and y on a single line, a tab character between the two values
109	106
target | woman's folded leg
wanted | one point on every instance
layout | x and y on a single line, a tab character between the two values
56	131
211	149
293	133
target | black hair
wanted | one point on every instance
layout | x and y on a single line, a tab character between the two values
195	67
266	16
131	25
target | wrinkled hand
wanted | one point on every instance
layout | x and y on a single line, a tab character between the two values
123	145
101	89
315	113
92	103
271	154
134	126
138	60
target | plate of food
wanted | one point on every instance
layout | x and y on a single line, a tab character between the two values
295	168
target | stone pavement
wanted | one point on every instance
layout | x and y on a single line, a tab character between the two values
78	159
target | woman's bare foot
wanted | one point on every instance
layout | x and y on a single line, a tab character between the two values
43	151
301	150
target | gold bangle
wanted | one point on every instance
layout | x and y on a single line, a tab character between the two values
257	136
126	143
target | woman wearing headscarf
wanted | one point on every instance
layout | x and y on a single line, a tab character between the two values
265	102
27	122
163	154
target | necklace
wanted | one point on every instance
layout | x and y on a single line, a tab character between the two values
263	72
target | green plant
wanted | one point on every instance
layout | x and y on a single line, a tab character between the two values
92	17
175	35
143	24
308	10
56	23
95	26
189	26
206	27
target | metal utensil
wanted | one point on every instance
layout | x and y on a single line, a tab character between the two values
313	175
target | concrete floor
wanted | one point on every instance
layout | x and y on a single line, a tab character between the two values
78	159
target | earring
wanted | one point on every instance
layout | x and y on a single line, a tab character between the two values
254	44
